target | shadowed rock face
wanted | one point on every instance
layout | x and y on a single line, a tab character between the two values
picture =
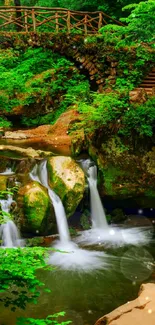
135	312
67	179
125	174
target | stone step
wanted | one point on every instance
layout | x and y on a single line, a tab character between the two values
150	77
147	90
149	81
146	85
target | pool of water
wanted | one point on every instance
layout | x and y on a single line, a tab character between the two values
88	295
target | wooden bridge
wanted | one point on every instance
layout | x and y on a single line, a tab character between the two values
45	19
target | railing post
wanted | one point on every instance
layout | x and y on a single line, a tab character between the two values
100	20
85	24
34	20
25	20
57	22
68	21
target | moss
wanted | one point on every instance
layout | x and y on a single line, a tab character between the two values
111	178
36	204
66	178
3	183
149	161
150	192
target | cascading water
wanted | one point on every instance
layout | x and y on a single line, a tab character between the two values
8	230
39	174
101	232
10	235
72	257
98	216
8	171
97	210
6	204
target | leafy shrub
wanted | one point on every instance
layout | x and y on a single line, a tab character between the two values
4	123
37	78
19	282
51	319
113	112
139	26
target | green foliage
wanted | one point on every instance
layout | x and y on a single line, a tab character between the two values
6	216
139	26
4	123
140	118
72	231
84	221
19	283
113	112
41	74
51	319
103	109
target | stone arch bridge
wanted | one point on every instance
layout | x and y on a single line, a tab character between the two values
68	32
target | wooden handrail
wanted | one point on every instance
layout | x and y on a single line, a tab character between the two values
29	19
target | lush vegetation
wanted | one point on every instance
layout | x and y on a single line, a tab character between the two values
41	84
20	284
37	78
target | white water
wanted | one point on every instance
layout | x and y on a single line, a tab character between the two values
69	256
39	174
97	211
10	235
8	171
101	232
8	230
6	204
116	236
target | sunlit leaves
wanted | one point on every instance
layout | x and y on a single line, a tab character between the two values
51	319
19	282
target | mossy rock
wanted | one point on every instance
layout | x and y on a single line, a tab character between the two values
3	183
125	174
36	208
67	179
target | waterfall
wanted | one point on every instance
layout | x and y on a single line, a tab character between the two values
10	235
98	216
73	257
5	204
8	230
8	171
39	174
101	232
97	211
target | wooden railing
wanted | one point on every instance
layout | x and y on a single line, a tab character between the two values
45	19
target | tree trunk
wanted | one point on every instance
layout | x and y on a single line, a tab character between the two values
18	15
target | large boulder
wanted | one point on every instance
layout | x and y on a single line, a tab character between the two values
138	311
67	179
36	215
